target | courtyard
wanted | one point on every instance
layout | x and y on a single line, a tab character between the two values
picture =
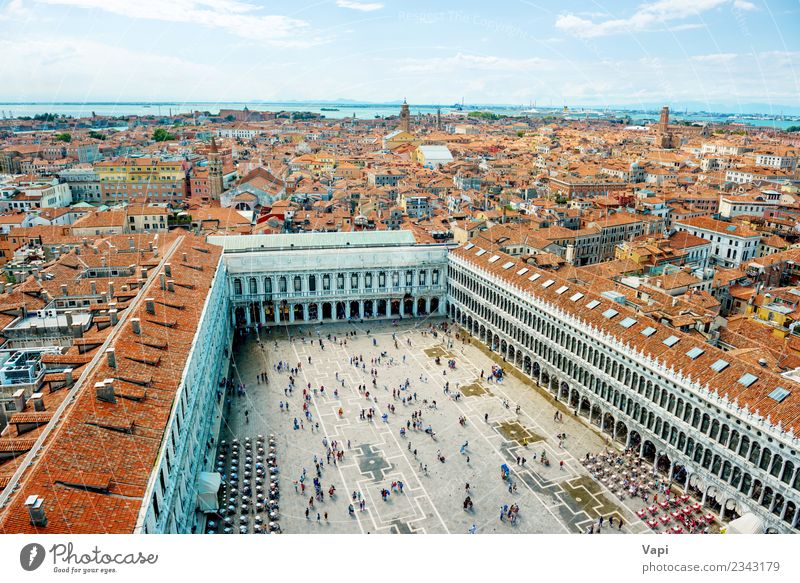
499	422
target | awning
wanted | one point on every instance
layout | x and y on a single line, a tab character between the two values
208	484
747	524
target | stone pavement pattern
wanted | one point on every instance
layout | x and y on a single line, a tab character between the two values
551	499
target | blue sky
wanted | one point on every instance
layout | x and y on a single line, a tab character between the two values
733	52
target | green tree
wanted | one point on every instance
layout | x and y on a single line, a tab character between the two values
793	129
520	134
97	135
64	137
162	135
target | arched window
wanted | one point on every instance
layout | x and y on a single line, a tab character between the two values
282	285
268	285
237	286
298	284
253	286
312	283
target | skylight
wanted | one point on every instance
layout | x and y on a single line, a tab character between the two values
493	258
593	304
469	246
576	297
508	265
610	313
720	365
480	252
695	352
523	271
779	394
649	331
671	341
748	379
627	322
548	283
534	277
562	289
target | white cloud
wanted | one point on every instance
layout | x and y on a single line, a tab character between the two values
360	6
648	16
743	5
716	58
234	16
462	62
76	69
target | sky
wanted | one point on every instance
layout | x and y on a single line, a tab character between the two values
699	53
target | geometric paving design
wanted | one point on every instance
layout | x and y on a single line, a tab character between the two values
513	431
438	351
473	390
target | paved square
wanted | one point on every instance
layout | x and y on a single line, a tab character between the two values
551	499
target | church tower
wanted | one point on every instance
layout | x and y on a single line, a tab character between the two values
405	118
214	172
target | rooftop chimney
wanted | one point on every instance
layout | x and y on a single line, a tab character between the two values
93	286
35	506
131	244
68	376
185	257
64	289
136	325
68	317
112	358
168	269
171	286
113	315
144	273
19	400
38	401
150	305
110	290
163	278
104	391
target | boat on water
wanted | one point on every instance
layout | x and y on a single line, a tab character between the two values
329	109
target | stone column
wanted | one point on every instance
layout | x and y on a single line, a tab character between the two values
291	313
261	313
402	308
247	313
414	309
361	309
305	312
276	313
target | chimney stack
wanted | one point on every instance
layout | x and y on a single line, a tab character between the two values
68	376
35	506
136	325
104	391
112	358
110	290
93	286
131	244
144	273
113	315
19	400
64	289
68	318
150	305
171	286
162	276
38	401
185	257
168	269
